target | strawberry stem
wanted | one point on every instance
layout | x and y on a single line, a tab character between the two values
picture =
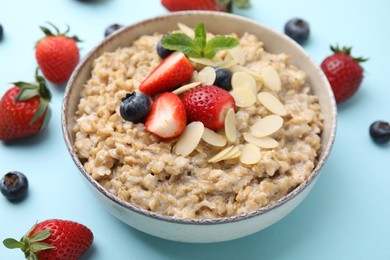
48	32
347	51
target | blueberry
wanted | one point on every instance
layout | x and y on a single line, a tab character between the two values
1	32
112	28
223	78
135	107
380	131
297	29
161	50
14	185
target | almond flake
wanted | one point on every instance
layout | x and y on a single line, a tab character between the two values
242	79
184	88
271	78
262	142
272	103
230	126
213	138
237	54
250	154
207	76
253	73
203	61
226	64
221	154
186	30
189	139
266	126
243	97
233	153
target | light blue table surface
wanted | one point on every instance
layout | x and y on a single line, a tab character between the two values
346	216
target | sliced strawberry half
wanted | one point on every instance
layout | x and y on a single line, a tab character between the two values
208	104
174	71
167	117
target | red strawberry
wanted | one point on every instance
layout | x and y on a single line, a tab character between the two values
167	117
24	109
212	5
54	239
343	72
57	55
175	70
208	104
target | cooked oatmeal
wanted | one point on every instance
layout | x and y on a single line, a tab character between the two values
143	169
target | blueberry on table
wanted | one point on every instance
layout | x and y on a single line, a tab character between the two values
14	185
223	78
297	29
112	28
161	50
380	131
135	107
1	32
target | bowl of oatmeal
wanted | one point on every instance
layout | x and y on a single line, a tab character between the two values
204	185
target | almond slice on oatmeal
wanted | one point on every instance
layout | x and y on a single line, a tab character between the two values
189	139
218	157
184	88
244	97
241	79
203	61
254	74
262	142
271	78
266	126
213	138
230	125
233	153
226	64
272	103
207	76
186	30
238	54
250	154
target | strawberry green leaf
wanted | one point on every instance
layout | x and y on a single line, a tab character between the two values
219	43
12	243
41	235
27	93
47	118
183	43
32	256
39	246
200	36
40	111
242	3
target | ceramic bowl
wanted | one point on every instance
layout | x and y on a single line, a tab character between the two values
202	230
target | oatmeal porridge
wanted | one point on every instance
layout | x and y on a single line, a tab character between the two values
236	172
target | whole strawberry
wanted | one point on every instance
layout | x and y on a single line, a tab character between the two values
343	72
54	239
211	5
57	55
24	109
208	104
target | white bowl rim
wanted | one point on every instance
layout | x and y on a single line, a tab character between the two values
211	221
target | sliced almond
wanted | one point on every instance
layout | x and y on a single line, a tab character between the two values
189	139
272	103
238	54
221	154
243	97
203	61
227	64
230	126
266	126
253	73
250	154
242	79
271	78
186	30
184	88
213	138
233	153
262	142
207	76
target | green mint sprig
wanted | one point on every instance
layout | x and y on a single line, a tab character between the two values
199	46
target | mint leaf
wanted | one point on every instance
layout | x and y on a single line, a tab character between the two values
200	36
183	43
219	43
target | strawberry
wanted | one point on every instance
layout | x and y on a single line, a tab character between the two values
174	71
54	239
343	72
211	5
24	109
167	117
208	104
57	55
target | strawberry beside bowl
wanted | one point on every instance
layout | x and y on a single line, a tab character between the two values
203	229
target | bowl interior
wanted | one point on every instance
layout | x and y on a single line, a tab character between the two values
217	23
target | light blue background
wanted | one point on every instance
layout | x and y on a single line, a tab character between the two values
346	216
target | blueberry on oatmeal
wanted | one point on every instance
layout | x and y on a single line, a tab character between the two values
135	107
